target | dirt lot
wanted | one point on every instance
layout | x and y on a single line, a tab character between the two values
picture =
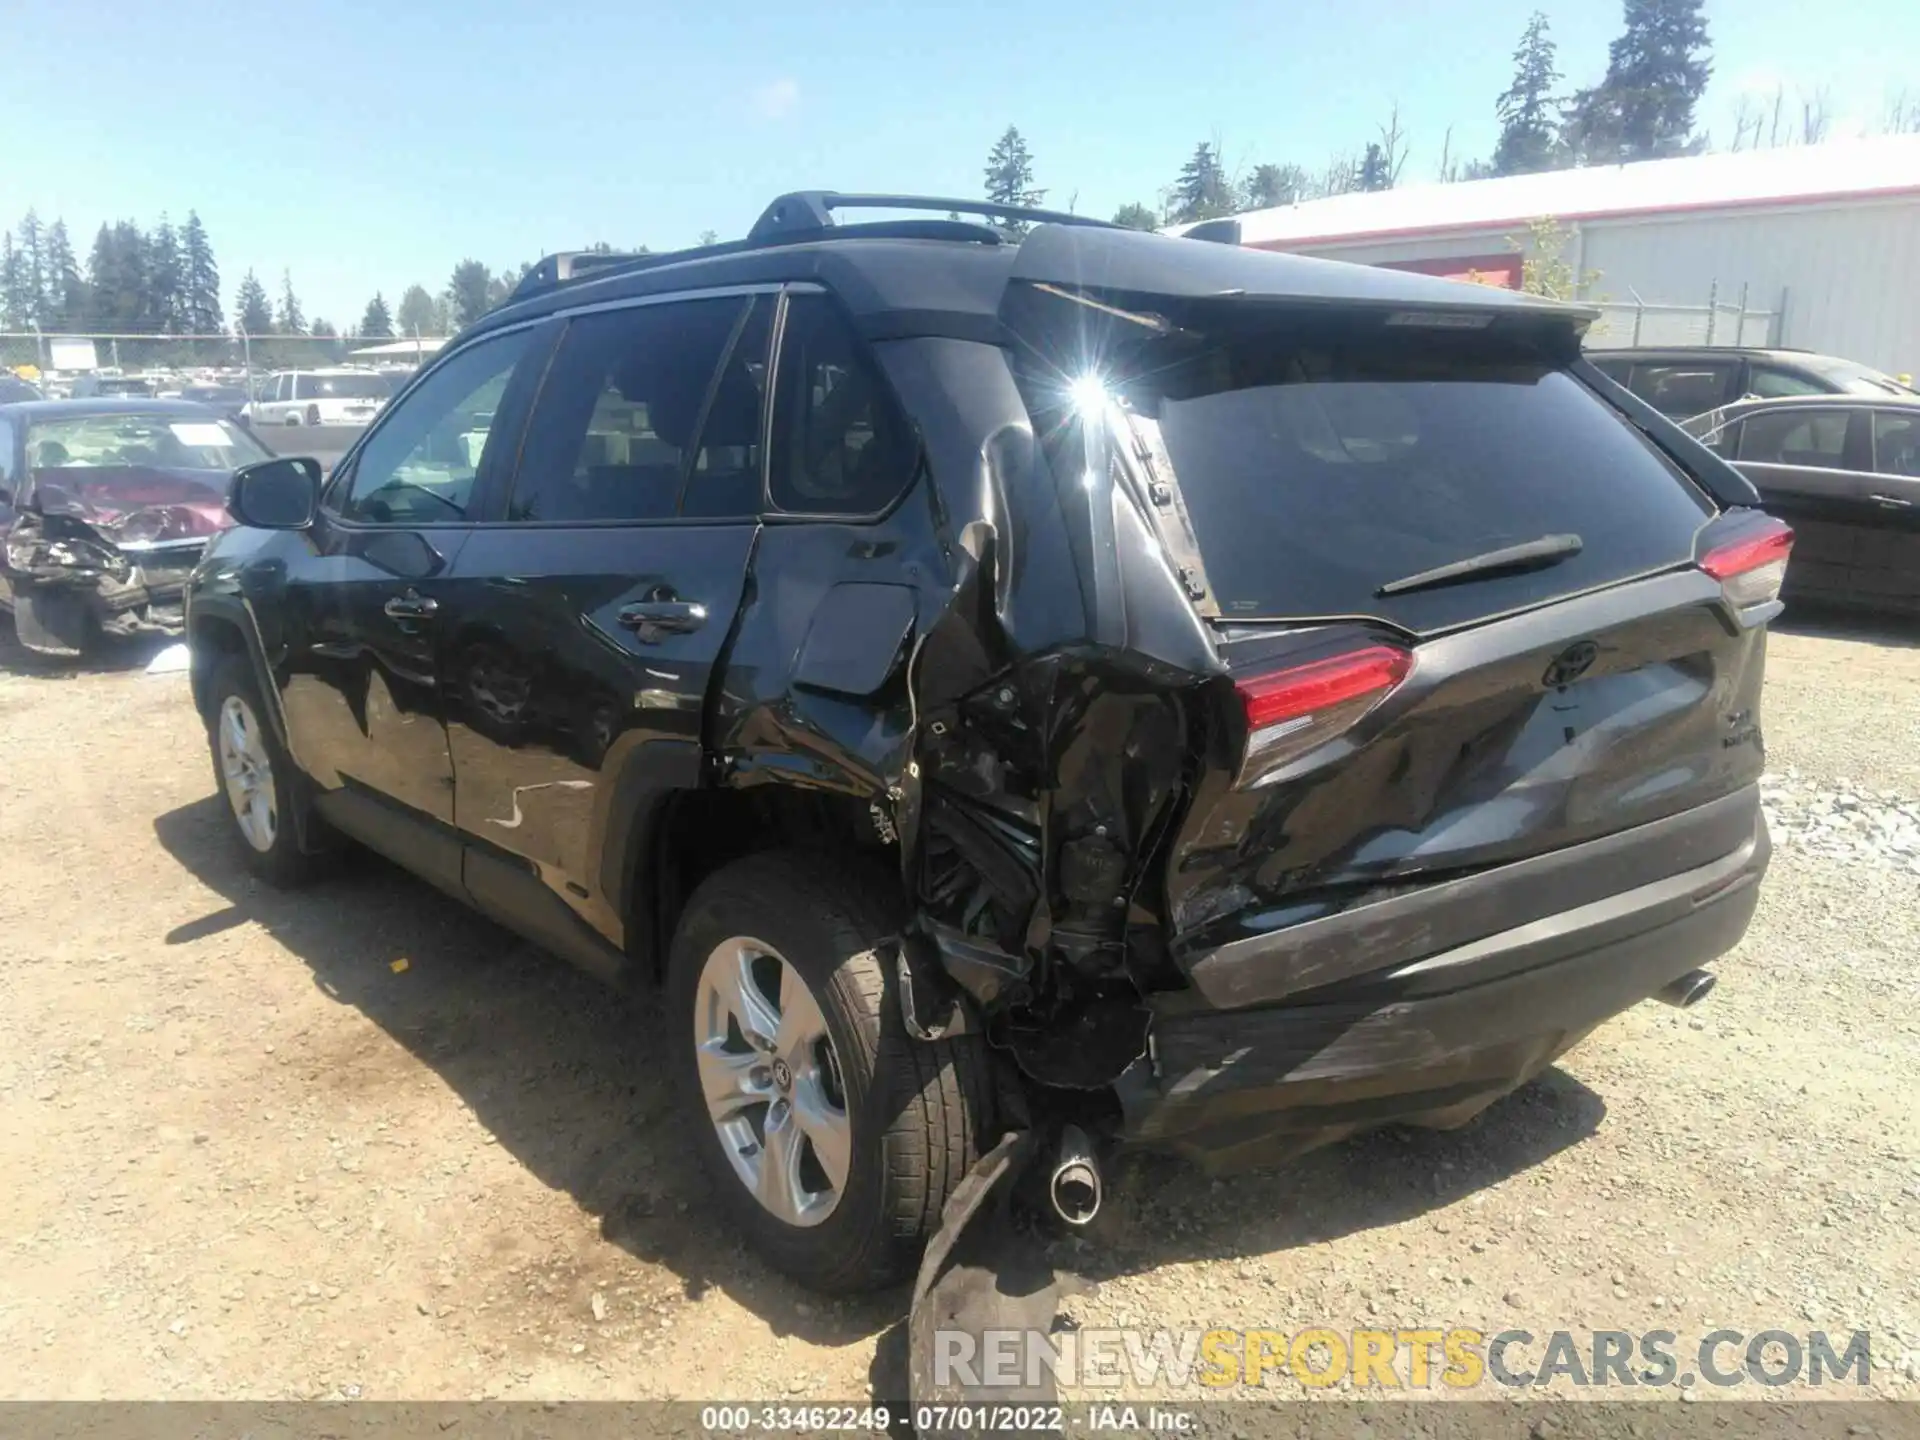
356	1142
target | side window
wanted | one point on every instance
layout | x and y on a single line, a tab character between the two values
1770	383
1816	438
297	388
840	444
723	481
1682	390
6	460
1896	442
615	432
419	466
1618	371
278	391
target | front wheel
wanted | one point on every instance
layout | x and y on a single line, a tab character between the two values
833	1137
255	776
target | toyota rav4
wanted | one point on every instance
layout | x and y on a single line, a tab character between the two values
1121	689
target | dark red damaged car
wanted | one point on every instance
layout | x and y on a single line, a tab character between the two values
106	506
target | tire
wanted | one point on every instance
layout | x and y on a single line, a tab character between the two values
233	694
917	1113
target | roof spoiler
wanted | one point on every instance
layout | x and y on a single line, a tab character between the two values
1222	232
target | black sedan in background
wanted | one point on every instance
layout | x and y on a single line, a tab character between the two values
1844	471
105	507
1683	381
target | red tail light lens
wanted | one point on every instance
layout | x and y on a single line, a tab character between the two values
1290	711
1752	568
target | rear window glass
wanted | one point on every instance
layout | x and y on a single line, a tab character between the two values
1312	479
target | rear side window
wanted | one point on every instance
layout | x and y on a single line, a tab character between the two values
1896	443
841	445
6	460
616	432
1773	384
1682	390
1816	438
1314	478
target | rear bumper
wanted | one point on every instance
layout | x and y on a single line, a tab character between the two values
1431	1041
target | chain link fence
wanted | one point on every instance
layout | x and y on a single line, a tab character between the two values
61	355
1736	318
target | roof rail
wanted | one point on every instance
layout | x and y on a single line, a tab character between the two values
811	211
804	215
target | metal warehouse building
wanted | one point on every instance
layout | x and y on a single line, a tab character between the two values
1816	247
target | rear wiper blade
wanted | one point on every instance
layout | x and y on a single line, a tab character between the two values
1528	555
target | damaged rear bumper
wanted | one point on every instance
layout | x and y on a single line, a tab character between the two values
1434	1040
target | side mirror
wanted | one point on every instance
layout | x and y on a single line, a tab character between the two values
277	494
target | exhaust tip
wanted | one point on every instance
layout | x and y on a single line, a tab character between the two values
1687	991
1074	1188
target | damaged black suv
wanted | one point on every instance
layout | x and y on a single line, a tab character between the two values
1059	682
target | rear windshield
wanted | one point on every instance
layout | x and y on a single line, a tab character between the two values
1313	477
346	387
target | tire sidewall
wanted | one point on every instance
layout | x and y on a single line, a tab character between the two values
824	1255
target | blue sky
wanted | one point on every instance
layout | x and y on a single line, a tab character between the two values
370	145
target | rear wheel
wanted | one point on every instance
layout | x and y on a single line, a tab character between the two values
833	1137
255	777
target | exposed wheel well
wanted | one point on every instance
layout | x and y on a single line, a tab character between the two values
699	831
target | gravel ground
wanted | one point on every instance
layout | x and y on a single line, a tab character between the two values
357	1142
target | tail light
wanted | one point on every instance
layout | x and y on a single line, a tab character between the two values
1751	569
1291	711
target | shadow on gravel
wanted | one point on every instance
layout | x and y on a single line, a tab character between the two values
567	1076
109	657
1827	622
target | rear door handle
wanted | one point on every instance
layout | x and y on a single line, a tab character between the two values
1891	502
652	620
411	606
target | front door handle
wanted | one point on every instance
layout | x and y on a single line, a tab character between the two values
654	620
1891	502
411	606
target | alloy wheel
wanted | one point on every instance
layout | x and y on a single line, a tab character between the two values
248	771
772	1081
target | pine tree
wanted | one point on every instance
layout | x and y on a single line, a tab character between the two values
165	305
287	319
1528	136
1374	171
250	306
417	315
1272	185
1009	177
119	299
1203	191
66	291
467	292
16	307
33	257
201	279
1656	73
376	324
